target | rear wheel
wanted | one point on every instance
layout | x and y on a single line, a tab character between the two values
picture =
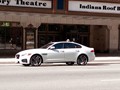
36	60
82	60
69	63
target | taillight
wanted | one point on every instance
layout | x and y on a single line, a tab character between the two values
92	51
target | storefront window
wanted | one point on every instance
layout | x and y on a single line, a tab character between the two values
59	32
42	27
54	27
83	28
10	38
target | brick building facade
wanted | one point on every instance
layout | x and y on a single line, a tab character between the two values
28	24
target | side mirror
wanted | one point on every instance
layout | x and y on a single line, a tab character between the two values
52	48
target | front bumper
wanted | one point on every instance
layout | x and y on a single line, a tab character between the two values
22	59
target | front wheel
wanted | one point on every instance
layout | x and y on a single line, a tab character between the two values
82	60
35	60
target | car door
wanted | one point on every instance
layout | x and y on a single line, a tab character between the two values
56	54
71	51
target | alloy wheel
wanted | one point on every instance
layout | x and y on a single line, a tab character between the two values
82	60
36	60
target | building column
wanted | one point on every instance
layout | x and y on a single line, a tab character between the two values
114	38
23	38
91	36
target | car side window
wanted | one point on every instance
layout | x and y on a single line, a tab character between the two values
58	46
71	45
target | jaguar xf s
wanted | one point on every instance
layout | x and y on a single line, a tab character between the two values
56	52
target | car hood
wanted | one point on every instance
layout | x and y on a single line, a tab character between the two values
32	51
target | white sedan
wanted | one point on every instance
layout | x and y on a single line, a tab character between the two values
56	52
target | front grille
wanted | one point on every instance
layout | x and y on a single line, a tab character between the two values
24	60
17	56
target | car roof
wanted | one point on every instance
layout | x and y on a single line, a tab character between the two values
63	42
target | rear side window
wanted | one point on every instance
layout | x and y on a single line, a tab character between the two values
71	45
58	46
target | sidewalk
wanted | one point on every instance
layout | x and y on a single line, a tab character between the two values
7	60
12	60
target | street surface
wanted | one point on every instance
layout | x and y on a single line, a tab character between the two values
97	75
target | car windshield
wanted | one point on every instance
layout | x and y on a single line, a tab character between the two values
46	45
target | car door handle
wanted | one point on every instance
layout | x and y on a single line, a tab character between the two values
62	51
77	50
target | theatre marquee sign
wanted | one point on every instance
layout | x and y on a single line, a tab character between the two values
98	7
27	3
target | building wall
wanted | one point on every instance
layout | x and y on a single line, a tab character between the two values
108	35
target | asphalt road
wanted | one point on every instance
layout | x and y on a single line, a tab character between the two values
97	75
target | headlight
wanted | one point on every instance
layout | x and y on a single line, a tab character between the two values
23	54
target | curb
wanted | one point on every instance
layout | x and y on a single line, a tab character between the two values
108	58
7	60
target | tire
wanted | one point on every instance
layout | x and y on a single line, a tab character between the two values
69	63
26	64
36	60
82	60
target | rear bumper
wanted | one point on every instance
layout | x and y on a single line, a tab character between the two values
91	57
